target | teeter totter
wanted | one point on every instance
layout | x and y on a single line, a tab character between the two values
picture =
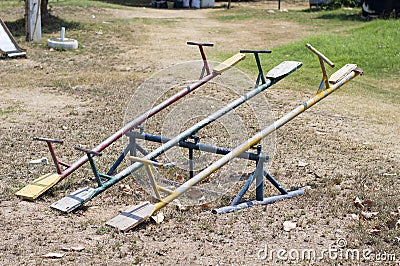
45	182
83	195
136	214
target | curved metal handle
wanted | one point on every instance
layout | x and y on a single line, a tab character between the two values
320	55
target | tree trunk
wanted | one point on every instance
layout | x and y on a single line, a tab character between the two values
44	10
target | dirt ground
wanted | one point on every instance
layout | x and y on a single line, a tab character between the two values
343	148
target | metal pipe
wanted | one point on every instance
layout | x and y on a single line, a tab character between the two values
190	145
253	141
265	201
244	189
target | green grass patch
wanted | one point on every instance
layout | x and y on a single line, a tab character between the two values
374	47
7	110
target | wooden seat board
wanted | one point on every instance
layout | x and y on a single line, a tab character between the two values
132	216
38	186
283	69
74	200
228	63
341	73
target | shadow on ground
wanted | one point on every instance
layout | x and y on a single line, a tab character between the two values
50	24
138	3
344	17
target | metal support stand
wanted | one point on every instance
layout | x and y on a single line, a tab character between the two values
258	175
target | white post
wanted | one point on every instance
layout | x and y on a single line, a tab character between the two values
33	21
62	33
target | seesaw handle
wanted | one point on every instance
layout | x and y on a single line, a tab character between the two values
199	44
88	151
255	51
49	140
320	55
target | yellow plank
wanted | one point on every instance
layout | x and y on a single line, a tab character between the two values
38	186
228	63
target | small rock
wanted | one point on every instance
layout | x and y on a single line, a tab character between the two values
288	226
302	164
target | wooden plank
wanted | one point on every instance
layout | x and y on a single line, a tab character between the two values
132	216
38	186
228	63
341	73
283	69
74	200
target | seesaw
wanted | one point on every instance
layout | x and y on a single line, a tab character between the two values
136	214
45	182
105	181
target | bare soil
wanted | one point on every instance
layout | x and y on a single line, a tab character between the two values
345	147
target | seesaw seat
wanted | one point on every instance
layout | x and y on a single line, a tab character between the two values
228	63
283	69
341	73
38	186
132	216
74	200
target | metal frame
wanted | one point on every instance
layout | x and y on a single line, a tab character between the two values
73	201
140	213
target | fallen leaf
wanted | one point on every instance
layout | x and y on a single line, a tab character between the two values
374	231
77	248
355	216
73	248
182	207
368	203
369	215
53	255
206	206
125	188
302	164
179	178
358	203
158	218
389	174
288	225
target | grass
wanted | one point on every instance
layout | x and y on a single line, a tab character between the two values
8	110
372	45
